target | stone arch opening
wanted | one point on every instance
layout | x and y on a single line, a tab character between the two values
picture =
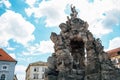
78	53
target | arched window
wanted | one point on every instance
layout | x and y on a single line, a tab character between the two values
3	77
36	69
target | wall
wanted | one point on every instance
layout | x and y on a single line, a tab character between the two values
9	72
40	72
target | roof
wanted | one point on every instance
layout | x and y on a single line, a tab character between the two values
113	52
5	57
39	63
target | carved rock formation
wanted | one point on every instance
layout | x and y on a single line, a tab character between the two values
78	55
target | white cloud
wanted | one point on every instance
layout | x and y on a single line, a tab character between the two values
14	26
30	2
41	48
112	18
46	47
20	71
10	48
114	43
20	68
90	12
53	12
6	3
13	55
98	29
29	11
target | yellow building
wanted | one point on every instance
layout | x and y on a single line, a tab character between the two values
35	71
114	55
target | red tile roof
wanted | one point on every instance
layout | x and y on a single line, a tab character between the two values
113	52
5	57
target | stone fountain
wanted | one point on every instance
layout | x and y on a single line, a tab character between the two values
78	55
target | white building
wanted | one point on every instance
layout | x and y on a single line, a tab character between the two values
7	66
35	71
114	55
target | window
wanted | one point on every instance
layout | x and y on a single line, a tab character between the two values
43	69
4	67
36	69
118	52
35	76
3	77
43	76
119	60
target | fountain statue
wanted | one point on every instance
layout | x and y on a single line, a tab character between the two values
78	55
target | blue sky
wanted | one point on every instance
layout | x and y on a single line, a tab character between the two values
26	25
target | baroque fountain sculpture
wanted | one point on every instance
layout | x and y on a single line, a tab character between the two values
78	55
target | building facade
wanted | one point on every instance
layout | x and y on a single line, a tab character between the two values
114	55
15	77
7	66
35	71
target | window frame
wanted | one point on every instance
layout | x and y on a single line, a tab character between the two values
4	65
36	69
35	76
43	69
